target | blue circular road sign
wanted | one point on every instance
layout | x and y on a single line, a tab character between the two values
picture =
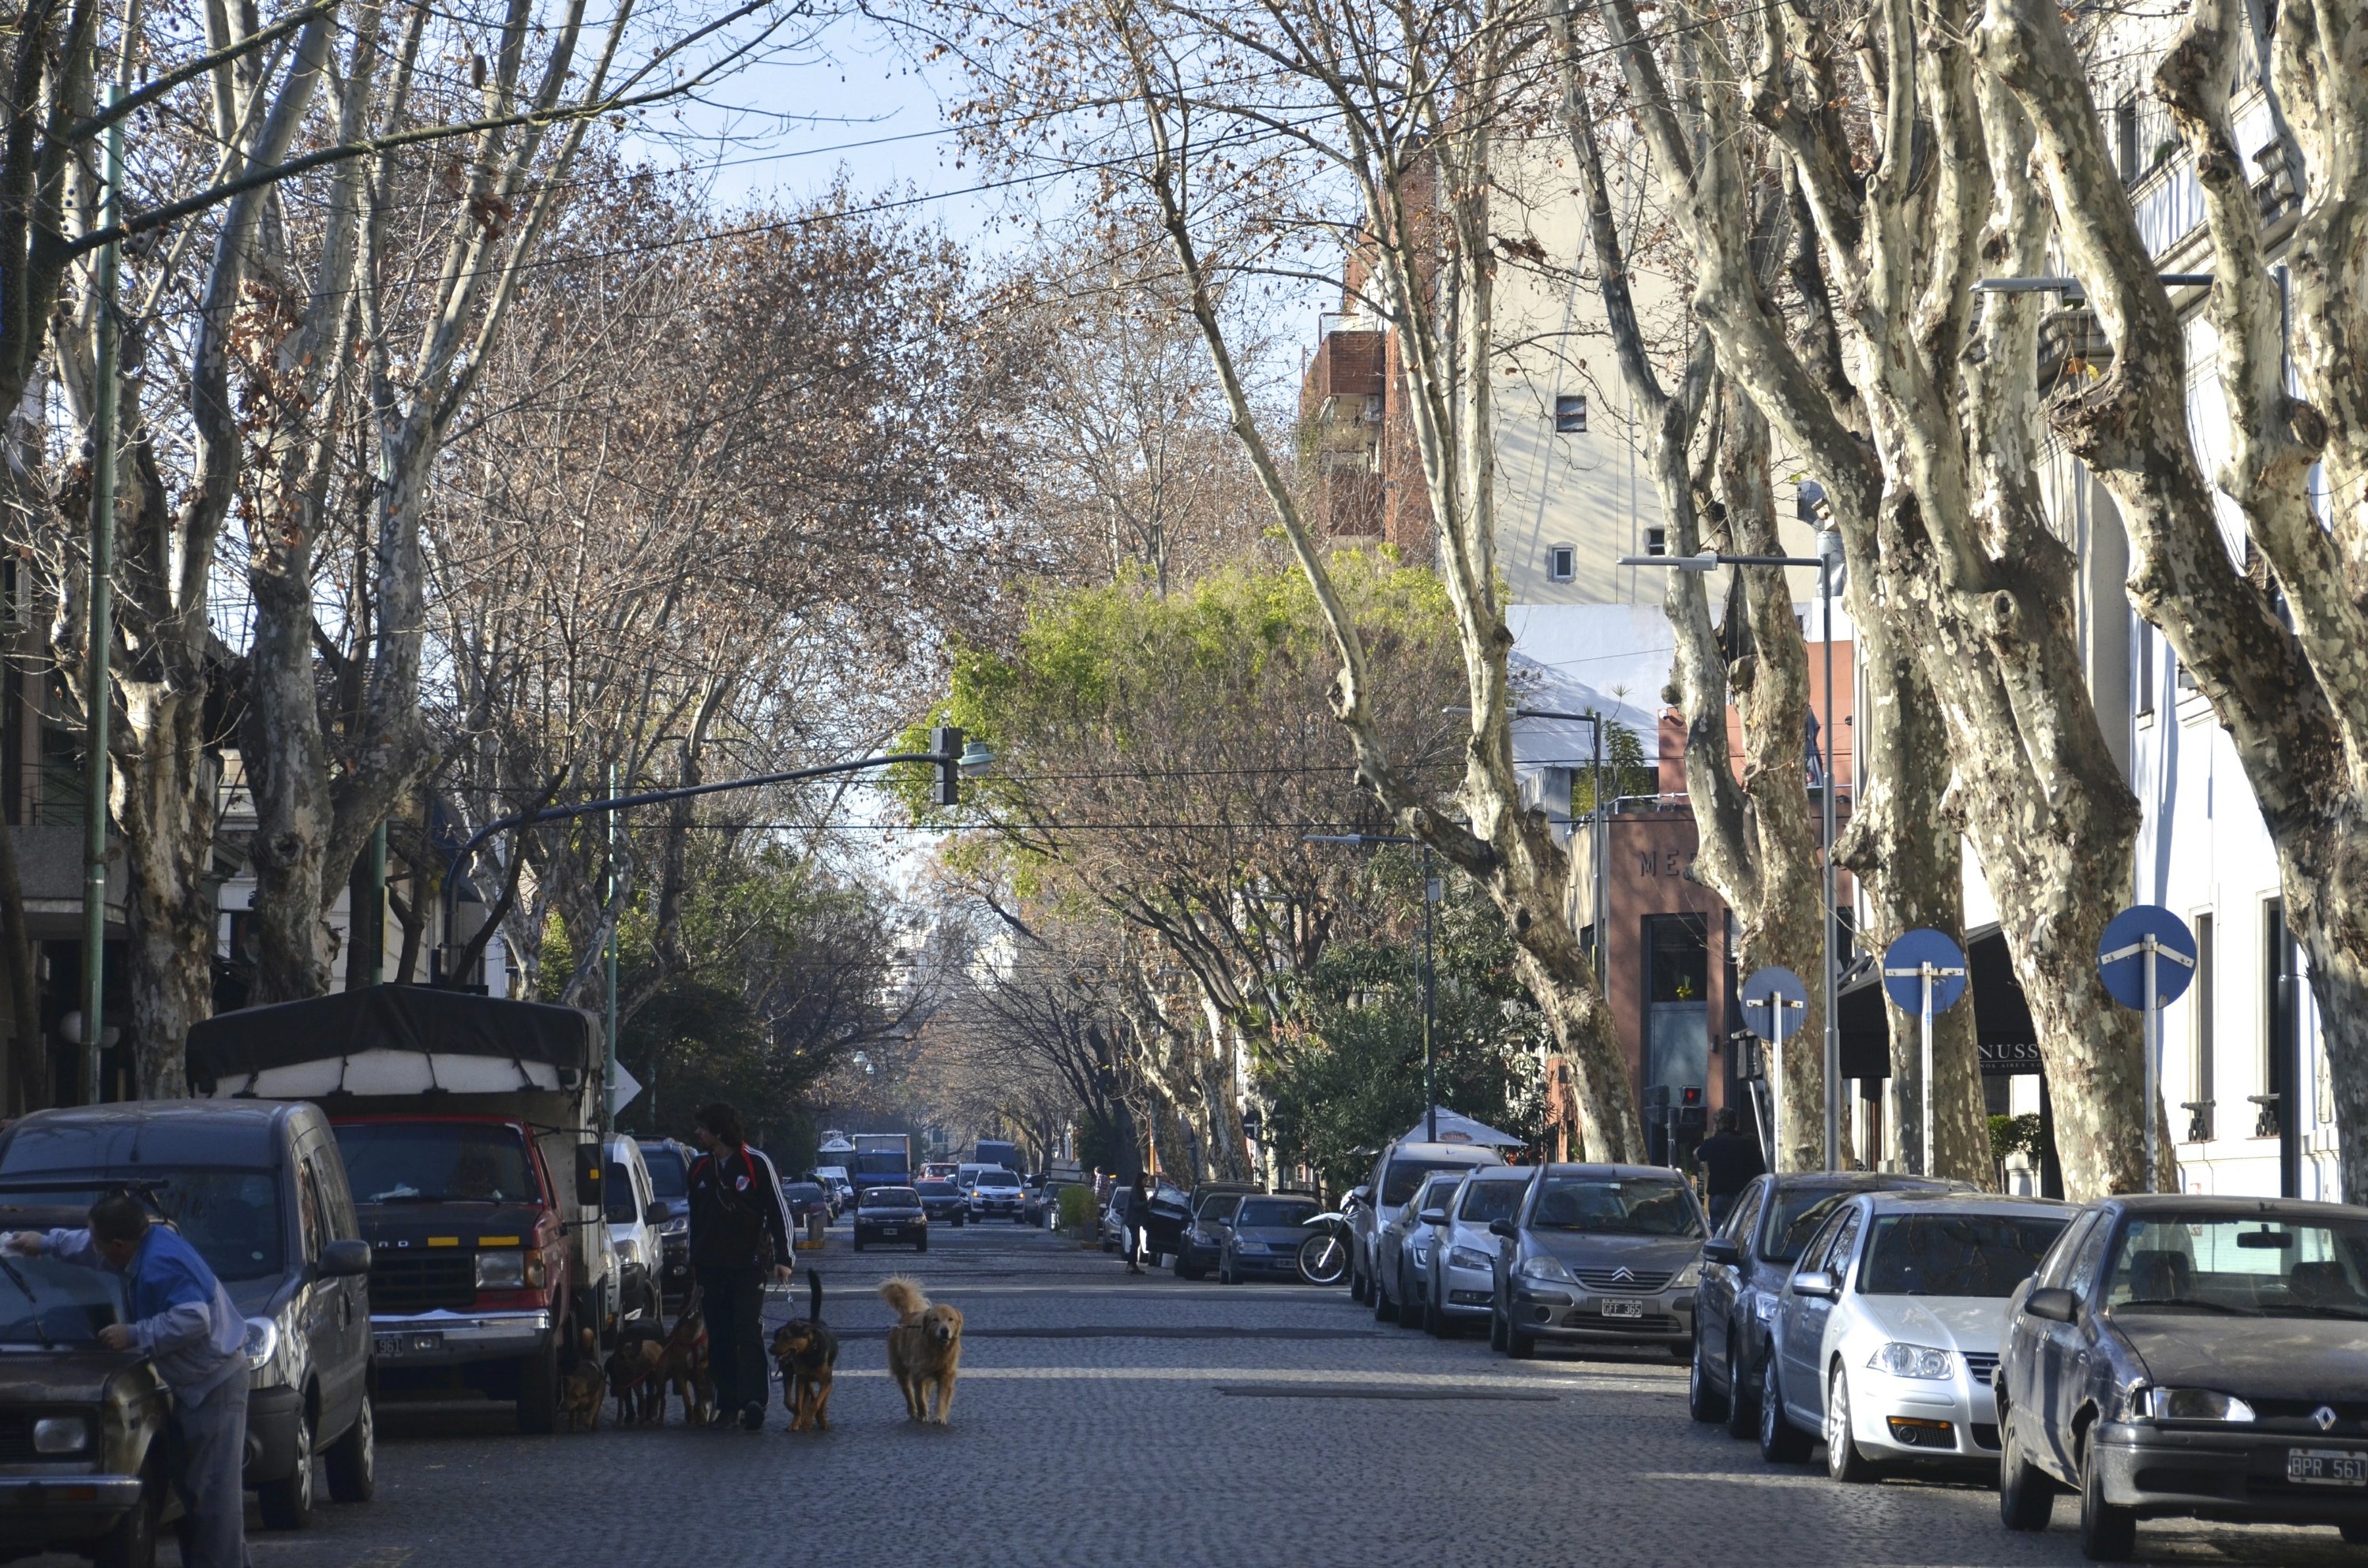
1775	1003
2121	955
1905	964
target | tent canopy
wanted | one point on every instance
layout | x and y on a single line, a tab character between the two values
1455	1127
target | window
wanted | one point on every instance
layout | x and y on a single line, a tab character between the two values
1570	415
2143	674
1562	563
2126	134
1656	541
2200	1004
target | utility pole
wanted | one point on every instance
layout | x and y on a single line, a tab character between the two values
608	1052
1430	891
99	687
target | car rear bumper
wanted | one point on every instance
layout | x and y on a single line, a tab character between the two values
1579	1316
453	1339
2223	1475
57	1509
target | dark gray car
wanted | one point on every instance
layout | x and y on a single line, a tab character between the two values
1744	1265
1606	1254
2181	1355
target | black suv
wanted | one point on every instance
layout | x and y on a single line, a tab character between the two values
257	1187
1745	1265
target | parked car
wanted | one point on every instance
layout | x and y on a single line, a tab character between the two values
2180	1355
1210	1203
1396	1174
1402	1249
1598	1254
668	1163
1032	1200
891	1215
86	1456
1744	1266
636	1233
805	1201
1163	1232
1462	1276
996	1195
258	1189
1887	1335
839	1185
1261	1237
940	1170
942	1200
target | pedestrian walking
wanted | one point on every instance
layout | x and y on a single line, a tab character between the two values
1728	1160
184	1322
1138	1216
739	1237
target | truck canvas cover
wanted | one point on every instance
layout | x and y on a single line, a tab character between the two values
393	1041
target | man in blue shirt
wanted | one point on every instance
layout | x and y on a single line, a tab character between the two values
183	1320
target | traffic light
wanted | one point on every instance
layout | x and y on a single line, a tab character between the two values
946	742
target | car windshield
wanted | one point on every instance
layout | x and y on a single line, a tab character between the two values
232	1217
998	1178
885	1162
801	1192
1620	1206
2245	1266
1485	1201
436	1162
1795	1217
1956	1254
891	1198
1215	1203
1273	1211
669	1173
937	1189
1404	1177
43	1302
1438	1194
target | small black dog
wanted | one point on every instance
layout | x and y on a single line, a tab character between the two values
808	1354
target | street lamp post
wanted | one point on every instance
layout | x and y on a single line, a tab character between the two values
1825	560
1429	897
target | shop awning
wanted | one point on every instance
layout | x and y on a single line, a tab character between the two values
2002	1026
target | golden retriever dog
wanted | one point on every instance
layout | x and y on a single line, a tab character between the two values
924	1351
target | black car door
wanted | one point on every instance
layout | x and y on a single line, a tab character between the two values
2022	1354
343	1339
1722	1283
2063	1350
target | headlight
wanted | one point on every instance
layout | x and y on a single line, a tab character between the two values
501	1270
1688	1278
1911	1360
1464	1257
63	1434
628	1251
262	1343
676	1227
2191	1405
1764	1309
1543	1268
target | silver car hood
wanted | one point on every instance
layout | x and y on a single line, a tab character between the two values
1973	1325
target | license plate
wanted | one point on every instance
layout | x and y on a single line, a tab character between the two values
892	1230
1622	1309
2327	1467
392	1344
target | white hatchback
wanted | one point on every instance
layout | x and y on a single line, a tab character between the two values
1887	1334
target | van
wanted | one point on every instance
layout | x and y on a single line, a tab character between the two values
1397	1176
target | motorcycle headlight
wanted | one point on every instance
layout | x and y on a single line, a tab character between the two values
1688	1278
60	1435
1543	1267
1464	1257
503	1270
2191	1405
262	1343
1910	1361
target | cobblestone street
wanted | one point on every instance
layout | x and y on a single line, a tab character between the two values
1105	1420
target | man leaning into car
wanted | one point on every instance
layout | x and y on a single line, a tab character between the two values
184	1323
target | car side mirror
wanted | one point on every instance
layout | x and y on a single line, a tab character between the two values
2055	1304
343	1260
1433	1216
655	1214
1720	1250
1502	1228
1816	1282
591	1177
1360	1194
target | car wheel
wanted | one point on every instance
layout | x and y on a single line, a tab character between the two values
1843	1460
132	1543
1742	1411
1519	1345
287	1503
1780	1442
921	1245
1412	1308
858	1244
1496	1328
2355	1534
1384	1310
1435	1319
1357	1285
2108	1534
353	1459
1703	1402
2026	1493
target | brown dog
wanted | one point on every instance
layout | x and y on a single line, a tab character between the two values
637	1377
685	1367
807	1352
580	1391
924	1351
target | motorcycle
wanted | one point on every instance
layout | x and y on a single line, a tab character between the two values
1324	1255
